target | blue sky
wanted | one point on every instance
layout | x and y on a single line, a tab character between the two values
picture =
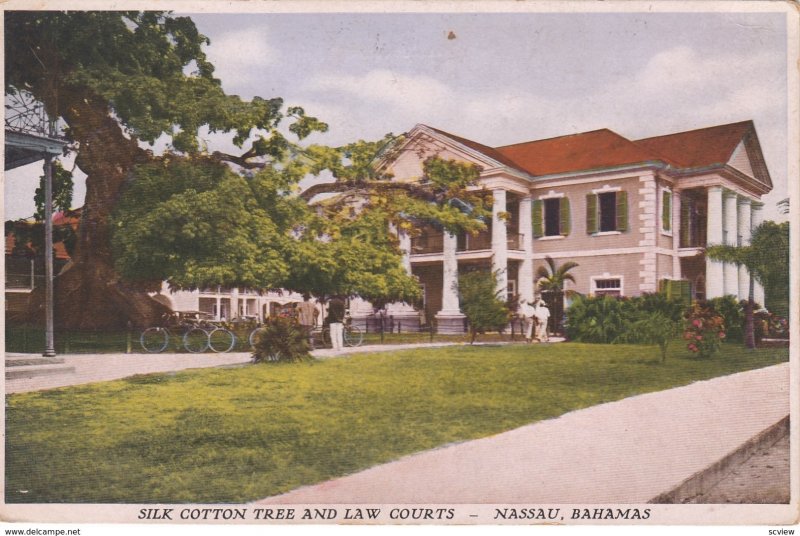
501	78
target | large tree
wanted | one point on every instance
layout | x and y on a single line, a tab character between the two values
122	80
118	79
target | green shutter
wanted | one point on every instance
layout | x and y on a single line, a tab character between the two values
563	212
685	291
666	210
537	218
685	212
622	211
591	213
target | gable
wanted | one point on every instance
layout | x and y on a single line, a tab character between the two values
423	143
741	160
751	157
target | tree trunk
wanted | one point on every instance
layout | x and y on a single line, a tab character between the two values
88	292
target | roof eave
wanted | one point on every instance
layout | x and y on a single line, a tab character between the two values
654	164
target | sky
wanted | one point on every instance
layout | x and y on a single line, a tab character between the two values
502	78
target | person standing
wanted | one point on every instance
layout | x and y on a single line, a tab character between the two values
542	318
527	311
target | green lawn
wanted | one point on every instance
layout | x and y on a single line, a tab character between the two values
231	435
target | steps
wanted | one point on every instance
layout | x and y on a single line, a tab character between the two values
31	366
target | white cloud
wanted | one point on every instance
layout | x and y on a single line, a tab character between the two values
240	56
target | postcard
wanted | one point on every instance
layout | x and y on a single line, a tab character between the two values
400	263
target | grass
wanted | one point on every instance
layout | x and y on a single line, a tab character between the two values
232	435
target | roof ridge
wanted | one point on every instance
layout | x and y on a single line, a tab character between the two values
560	137
748	122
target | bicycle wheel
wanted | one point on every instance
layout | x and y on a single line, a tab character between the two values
195	340
353	336
154	340
221	340
253	336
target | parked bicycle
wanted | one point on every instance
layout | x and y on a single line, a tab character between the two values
191	330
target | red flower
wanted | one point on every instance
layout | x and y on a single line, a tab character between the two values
698	337
721	334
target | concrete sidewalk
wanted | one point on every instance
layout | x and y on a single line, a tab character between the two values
628	451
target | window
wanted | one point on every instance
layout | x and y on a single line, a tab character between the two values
606	212
551	217
666	211
611	286
511	291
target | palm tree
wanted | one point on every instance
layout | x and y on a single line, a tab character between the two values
767	254
552	279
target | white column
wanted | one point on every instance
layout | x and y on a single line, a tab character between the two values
676	234
714	272
744	232
756	219
450	319
499	241
234	312
218	316
405	247
525	275
730	270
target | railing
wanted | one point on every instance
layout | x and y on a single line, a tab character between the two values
480	241
26	115
514	241
695	238
427	243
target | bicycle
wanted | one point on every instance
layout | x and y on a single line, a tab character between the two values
352	336
156	339
197	335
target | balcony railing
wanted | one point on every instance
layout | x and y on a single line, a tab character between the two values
480	241
427	243
26	115
514	241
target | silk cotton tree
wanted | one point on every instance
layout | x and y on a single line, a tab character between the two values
119	81
766	260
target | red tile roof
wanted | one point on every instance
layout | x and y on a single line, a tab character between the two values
699	148
578	152
604	148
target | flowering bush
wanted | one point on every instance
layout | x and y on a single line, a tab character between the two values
705	330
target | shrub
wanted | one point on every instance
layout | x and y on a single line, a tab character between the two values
652	328
732	312
481	303
599	319
606	319
281	339
705	330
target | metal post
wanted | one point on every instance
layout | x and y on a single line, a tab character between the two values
49	347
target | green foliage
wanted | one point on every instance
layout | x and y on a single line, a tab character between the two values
705	330
767	259
652	327
597	319
552	279
481	302
203	225
62	191
281	339
606	319
732	312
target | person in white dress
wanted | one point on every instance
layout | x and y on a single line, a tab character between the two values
542	317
